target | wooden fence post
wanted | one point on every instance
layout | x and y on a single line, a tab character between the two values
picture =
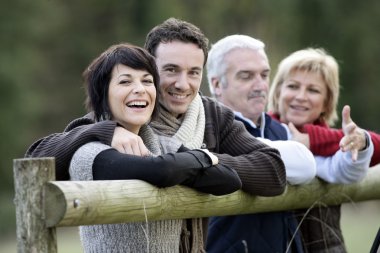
30	175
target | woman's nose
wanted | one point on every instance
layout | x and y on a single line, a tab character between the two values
301	94
138	88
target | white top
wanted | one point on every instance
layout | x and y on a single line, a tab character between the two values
299	162
338	168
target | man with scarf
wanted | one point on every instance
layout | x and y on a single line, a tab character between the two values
181	52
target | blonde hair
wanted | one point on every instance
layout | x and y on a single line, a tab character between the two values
314	60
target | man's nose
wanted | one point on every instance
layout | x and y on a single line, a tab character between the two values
182	81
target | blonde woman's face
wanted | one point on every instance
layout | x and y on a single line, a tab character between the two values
301	98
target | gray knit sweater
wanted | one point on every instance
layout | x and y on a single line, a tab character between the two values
153	236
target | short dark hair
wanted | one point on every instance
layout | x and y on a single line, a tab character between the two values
97	75
176	29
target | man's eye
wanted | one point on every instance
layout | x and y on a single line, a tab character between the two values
171	70
195	73
244	75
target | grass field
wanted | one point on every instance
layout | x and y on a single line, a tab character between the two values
360	223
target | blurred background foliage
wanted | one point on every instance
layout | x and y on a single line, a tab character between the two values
45	45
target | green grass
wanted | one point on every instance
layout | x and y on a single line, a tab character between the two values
360	223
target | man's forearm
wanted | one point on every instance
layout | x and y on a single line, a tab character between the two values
63	145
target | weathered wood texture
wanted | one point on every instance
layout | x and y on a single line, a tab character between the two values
78	203
30	175
43	204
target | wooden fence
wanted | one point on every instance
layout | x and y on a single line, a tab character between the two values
43	204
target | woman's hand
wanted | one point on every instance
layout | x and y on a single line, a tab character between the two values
354	139
298	136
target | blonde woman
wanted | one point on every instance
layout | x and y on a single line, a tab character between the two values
305	90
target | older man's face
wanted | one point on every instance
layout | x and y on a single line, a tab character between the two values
247	78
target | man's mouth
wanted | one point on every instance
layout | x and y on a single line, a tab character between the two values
177	96
257	94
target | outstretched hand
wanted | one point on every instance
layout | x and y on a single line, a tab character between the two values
354	138
128	143
298	136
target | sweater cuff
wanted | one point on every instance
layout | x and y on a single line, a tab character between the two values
105	130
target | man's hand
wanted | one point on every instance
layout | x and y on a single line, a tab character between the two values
298	136
354	138
128	143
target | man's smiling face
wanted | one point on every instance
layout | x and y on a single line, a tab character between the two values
180	66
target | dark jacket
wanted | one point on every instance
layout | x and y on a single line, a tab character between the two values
262	232
259	166
320	229
320	226
234	146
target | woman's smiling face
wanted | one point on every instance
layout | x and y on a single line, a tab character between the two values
131	97
302	98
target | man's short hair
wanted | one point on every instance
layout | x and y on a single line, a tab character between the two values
174	29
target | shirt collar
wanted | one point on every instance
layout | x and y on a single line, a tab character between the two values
251	123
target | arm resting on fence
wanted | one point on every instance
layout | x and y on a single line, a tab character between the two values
72	203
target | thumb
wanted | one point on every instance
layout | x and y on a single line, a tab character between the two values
293	129
346	116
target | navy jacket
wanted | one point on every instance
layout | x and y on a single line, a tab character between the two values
262	232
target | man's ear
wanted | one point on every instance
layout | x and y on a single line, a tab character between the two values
217	86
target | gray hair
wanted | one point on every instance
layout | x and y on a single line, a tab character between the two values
216	66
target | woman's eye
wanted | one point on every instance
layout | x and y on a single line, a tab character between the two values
291	86
127	82
314	91
148	81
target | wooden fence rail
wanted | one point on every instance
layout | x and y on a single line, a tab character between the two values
43	204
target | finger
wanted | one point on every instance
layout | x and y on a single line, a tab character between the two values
135	148
293	130
346	116
346	143
119	148
350	128
351	146
354	154
128	149
144	151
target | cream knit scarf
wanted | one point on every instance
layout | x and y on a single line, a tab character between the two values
189	129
